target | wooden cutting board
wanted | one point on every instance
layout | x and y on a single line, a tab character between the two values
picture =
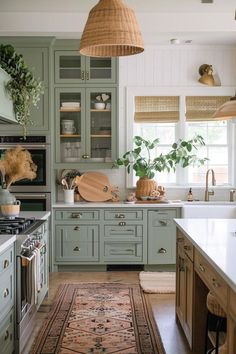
94	186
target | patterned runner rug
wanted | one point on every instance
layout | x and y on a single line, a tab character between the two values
99	318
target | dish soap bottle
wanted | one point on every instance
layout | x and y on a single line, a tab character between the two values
190	195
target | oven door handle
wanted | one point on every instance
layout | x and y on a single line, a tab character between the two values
28	146
31	195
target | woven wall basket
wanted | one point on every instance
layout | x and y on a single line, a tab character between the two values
111	30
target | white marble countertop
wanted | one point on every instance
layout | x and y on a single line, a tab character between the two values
7	240
116	205
216	240
40	215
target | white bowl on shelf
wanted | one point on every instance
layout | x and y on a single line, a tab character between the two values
99	105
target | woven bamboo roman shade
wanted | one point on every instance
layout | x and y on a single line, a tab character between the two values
156	109
111	30
202	108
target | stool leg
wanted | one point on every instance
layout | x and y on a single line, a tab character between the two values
206	333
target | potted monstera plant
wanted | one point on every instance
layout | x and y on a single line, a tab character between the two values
183	152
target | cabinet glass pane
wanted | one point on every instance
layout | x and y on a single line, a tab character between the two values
100	68
70	126
100	125
70	67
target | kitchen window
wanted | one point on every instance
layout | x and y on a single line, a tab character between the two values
218	137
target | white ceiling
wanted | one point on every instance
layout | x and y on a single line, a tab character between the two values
137	5
160	20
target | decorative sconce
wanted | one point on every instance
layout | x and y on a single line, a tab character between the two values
206	72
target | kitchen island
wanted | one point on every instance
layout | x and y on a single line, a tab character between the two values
206	260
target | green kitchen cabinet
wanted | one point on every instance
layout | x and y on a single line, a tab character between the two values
84	134
35	52
161	236
73	68
77	243
7	266
124	240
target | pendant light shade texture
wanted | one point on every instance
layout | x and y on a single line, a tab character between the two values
111	30
226	110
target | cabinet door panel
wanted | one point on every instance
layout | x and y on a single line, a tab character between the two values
6	291
161	237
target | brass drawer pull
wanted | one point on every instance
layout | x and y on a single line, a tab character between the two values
76	215
120	216
122	223
6	335
82	75
6	293
6	263
77	228
202	269
162	250
87	75
77	249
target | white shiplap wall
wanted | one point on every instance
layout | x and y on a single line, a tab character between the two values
174	67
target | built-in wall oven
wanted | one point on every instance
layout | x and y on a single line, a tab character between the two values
34	195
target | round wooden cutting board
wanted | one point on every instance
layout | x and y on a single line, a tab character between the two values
94	187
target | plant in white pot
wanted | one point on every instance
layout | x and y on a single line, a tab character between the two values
183	152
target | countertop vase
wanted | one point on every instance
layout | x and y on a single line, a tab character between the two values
6	197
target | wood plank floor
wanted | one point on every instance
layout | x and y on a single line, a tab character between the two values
163	306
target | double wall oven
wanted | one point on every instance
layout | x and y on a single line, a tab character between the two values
34	195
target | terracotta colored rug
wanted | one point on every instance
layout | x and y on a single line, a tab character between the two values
157	282
99	318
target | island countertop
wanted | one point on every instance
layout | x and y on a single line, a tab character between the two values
216	240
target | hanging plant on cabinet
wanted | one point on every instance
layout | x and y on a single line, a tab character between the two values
23	87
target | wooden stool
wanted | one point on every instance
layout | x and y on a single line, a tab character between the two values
216	311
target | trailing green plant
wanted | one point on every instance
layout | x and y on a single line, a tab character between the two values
23	87
182	153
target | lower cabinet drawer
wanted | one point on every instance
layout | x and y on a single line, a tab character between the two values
123	214
212	279
6	259
7	334
73	214
123	230
123	252
6	291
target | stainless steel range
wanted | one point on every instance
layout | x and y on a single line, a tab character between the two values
31	271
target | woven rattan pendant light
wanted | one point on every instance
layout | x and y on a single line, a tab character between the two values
111	30
227	110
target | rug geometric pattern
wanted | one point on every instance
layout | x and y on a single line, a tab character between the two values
99	318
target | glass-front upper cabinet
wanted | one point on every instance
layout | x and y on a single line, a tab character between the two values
71	67
85	125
